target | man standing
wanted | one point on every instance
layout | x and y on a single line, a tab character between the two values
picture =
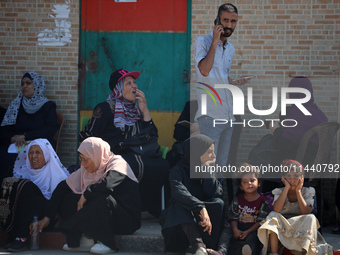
213	57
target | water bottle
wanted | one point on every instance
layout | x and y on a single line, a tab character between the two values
34	242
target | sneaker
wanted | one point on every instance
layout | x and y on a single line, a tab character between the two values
100	248
246	250
201	251
17	245
84	245
86	242
80	248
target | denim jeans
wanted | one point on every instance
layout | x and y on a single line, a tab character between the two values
221	134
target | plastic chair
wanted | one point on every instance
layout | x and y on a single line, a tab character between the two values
83	122
61	120
325	133
164	151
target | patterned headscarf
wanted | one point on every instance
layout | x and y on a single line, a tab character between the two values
126	112
99	152
31	105
46	178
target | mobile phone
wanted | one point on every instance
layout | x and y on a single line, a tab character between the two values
218	21
248	77
267	122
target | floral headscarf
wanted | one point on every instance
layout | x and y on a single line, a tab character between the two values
126	112
31	105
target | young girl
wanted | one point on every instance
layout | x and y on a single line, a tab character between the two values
245	213
291	223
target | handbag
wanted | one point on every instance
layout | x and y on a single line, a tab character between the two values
142	144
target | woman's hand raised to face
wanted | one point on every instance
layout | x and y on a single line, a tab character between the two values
142	104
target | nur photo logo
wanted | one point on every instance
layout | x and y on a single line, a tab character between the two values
239	102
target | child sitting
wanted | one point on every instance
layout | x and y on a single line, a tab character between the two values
245	213
298	233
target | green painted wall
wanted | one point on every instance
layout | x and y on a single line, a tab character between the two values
162	59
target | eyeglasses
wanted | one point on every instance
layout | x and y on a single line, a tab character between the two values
82	160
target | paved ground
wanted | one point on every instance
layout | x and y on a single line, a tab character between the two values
332	239
59	252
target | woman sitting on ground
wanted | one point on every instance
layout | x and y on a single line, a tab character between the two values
37	172
29	116
99	200
193	221
120	119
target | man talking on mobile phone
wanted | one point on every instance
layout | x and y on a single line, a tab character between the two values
213	57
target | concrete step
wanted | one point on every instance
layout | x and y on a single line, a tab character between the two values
148	239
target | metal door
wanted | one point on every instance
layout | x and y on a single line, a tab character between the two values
150	36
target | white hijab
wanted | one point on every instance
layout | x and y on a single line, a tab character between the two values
46	178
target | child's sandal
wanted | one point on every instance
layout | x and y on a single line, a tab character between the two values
212	252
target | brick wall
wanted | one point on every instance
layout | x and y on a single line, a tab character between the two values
22	22
276	40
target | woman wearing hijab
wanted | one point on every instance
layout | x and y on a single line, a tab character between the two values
123	116
37	172
285	140
96	202
194	218
29	116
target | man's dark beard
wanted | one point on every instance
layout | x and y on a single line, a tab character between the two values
227	35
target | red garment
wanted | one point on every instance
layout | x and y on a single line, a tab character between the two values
248	212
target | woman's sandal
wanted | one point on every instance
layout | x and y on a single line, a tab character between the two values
212	252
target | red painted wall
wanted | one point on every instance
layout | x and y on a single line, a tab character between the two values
143	15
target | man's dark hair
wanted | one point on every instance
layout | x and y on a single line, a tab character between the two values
228	7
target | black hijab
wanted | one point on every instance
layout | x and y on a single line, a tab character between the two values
194	148
304	122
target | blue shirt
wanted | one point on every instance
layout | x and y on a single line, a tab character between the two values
218	74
